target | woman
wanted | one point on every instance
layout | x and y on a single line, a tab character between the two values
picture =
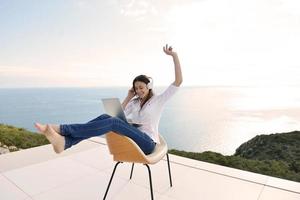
145	110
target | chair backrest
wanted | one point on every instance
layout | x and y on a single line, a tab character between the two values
125	149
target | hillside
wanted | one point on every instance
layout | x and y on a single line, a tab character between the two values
280	146
14	139
275	155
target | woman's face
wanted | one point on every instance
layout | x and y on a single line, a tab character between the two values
141	89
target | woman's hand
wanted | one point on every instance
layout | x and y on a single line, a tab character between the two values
169	50
131	93
178	75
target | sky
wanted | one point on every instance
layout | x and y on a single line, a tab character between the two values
89	43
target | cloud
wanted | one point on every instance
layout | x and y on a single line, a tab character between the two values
159	29
134	8
139	8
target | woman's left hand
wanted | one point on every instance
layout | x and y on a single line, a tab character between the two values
169	50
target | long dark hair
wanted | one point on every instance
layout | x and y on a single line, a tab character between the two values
145	79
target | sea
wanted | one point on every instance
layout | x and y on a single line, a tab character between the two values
196	119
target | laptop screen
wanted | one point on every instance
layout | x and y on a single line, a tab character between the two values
113	107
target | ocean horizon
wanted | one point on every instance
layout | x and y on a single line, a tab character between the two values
196	119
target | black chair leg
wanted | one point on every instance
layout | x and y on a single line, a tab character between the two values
116	165
131	170
150	179
169	170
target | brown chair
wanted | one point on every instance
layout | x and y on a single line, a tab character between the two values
125	149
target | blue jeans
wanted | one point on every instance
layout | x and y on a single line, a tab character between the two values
74	133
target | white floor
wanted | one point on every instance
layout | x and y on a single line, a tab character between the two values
83	172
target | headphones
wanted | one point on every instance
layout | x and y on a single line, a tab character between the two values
150	84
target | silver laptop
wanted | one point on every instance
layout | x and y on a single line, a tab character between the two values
113	107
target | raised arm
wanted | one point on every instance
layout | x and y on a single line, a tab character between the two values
178	73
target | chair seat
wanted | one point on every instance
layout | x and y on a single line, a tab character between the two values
125	149
158	153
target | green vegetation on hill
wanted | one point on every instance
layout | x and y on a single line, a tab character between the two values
267	167
275	155
20	138
283	147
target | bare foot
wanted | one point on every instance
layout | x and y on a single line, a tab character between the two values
55	127
57	141
40	127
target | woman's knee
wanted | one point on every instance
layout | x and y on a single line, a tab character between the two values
105	116
115	122
101	117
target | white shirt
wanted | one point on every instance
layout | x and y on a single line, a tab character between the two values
150	114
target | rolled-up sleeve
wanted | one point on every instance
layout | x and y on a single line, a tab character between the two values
168	93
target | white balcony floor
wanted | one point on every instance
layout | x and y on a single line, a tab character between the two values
83	172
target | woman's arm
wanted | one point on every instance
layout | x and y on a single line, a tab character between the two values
178	73
128	98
